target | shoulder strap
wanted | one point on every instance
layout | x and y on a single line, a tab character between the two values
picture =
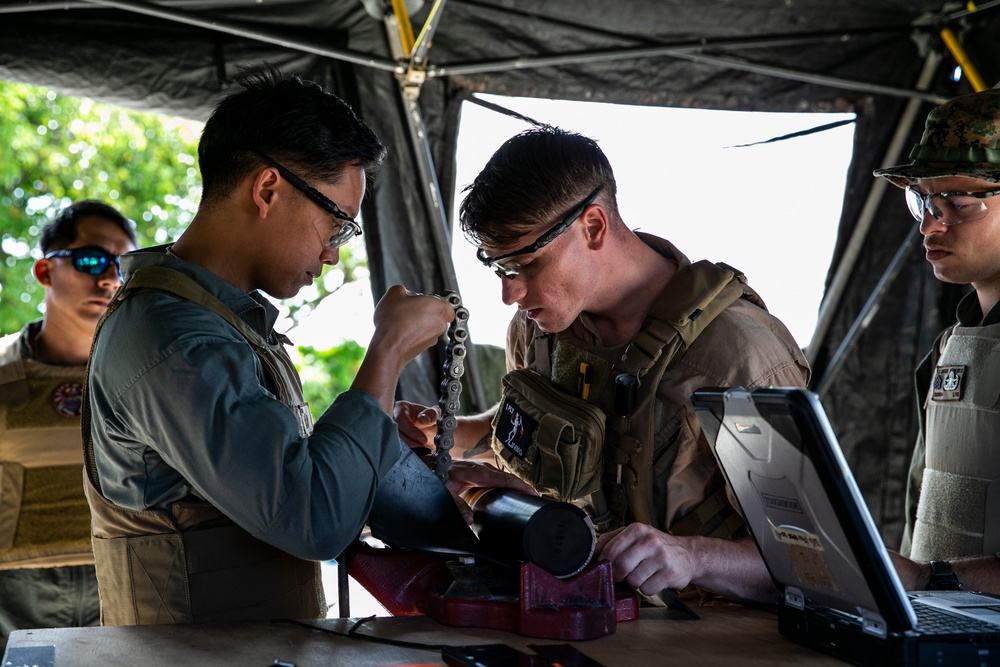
691	301
175	282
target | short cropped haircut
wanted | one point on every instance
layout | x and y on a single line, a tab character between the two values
295	122
62	230
531	180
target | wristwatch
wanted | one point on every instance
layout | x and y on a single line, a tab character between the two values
943	577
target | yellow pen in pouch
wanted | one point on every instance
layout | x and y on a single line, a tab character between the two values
583	381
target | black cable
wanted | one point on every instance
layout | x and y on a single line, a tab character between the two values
505	111
800	133
354	634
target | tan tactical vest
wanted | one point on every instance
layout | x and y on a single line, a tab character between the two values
193	564
960	493
44	518
692	299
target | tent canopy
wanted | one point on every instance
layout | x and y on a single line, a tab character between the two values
886	62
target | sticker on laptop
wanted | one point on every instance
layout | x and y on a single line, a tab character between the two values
805	551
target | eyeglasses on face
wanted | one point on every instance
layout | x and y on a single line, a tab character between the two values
949	208
348	230
511	271
91	260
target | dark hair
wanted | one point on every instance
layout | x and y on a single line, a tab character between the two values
297	123
531	180
62	230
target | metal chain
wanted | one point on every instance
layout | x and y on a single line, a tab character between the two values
451	386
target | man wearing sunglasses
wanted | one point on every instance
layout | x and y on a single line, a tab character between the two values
46	561
214	495
953	497
614	331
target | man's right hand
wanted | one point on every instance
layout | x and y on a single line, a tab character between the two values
408	323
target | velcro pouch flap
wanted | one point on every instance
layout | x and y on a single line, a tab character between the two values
548	438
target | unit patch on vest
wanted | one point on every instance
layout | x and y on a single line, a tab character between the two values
514	429
947	385
67	399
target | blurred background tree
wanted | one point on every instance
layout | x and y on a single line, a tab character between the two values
62	149
59	149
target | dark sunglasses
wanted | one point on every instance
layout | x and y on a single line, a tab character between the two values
91	260
347	231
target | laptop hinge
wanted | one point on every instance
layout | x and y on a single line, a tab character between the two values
794	598
873	624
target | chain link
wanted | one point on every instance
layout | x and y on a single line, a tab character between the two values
451	386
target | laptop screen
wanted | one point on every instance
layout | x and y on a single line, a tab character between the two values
800	501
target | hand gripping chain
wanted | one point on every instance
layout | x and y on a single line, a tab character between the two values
451	386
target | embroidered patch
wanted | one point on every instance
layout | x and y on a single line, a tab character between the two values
515	429
67	399
947	385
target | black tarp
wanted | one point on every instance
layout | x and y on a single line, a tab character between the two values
775	55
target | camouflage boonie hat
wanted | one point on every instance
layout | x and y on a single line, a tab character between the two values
961	138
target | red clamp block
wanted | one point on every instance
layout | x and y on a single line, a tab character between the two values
585	606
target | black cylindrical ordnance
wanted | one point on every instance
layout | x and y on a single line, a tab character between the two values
514	526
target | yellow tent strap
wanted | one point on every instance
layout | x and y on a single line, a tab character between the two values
405	27
961	57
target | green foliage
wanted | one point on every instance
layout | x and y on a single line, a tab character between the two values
58	149
326	373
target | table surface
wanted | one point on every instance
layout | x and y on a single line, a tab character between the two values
725	635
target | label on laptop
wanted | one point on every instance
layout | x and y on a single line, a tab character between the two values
31	656
781	503
805	551
947	384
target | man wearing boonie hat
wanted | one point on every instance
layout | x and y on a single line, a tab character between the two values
952	189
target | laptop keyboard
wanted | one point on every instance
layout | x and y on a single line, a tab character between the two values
931	620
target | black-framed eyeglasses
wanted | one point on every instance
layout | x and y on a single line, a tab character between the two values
952	208
350	227
505	271
92	260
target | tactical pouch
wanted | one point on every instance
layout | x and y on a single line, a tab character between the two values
548	438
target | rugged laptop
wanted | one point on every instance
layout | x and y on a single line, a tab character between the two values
839	591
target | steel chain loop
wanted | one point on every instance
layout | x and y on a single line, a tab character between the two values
451	386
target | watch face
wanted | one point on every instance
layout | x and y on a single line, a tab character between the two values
941	567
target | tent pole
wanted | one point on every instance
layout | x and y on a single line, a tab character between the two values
867	313
238	29
692	52
409	92
845	268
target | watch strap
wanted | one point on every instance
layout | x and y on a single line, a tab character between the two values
943	577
